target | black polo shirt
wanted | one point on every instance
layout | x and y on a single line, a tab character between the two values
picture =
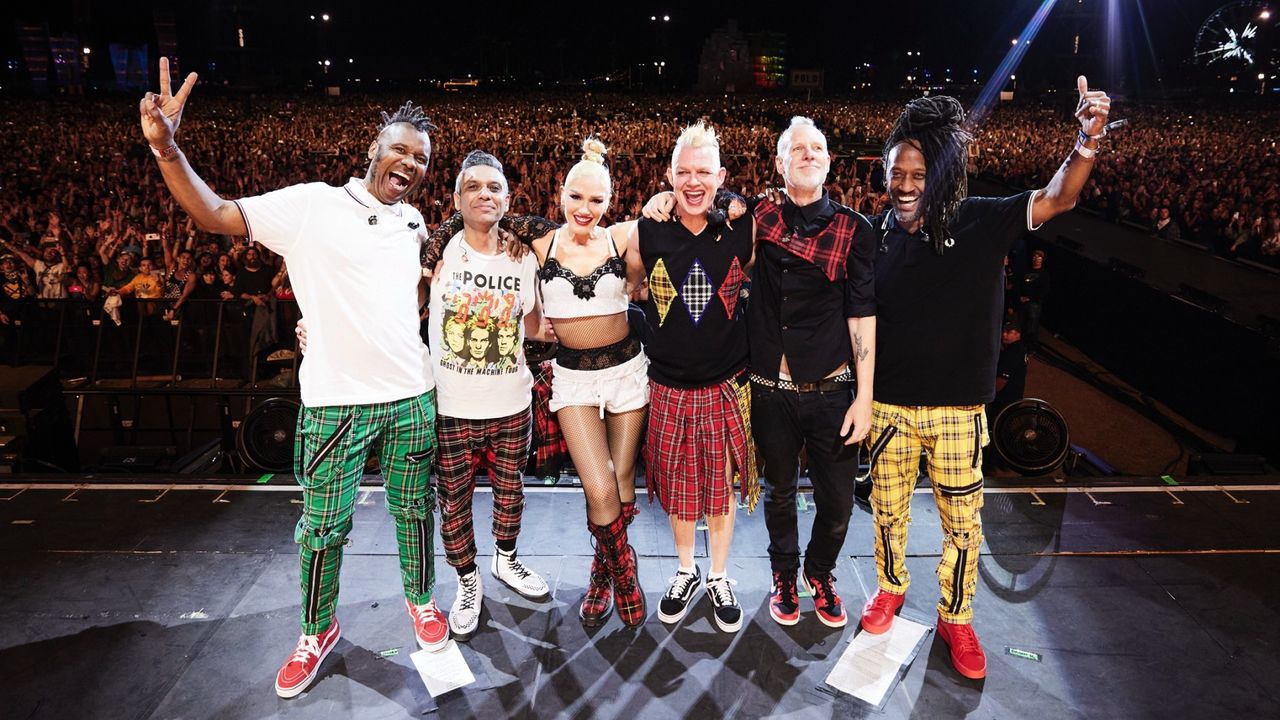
938	317
796	310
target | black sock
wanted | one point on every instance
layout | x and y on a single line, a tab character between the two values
506	546
466	569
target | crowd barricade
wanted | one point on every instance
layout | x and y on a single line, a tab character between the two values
143	340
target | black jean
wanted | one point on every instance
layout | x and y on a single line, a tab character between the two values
783	422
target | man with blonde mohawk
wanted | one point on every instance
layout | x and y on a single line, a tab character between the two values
699	435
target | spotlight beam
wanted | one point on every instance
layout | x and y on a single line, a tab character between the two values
986	101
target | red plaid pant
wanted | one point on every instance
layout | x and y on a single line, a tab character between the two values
501	445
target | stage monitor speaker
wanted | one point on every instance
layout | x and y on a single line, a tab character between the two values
1202	298
1128	270
137	459
1227	464
267	433
32	410
206	459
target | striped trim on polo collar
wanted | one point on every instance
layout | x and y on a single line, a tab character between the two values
358	192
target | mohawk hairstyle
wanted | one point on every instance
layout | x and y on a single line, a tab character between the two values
935	125
408	113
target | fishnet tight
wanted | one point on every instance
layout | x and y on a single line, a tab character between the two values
604	454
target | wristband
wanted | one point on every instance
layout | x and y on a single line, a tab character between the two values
166	155
1085	152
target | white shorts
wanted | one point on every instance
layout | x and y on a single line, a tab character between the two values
616	389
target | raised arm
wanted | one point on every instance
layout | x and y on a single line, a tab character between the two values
160	116
106	247
1063	190
167	248
18	251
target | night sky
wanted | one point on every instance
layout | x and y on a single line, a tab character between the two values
590	39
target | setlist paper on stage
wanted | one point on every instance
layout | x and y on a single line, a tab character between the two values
872	664
443	671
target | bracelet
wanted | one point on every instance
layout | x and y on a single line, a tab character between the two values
1099	136
166	155
1085	152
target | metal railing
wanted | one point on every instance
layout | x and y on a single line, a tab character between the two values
208	340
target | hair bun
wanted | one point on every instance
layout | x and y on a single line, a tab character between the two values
593	150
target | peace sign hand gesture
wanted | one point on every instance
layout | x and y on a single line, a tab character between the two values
162	113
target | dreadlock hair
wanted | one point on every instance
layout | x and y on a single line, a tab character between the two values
408	113
935	126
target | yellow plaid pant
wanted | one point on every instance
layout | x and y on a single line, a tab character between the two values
953	437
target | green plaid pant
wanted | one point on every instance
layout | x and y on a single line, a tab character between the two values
332	445
953	437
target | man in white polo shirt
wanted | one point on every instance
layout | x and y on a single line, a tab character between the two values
353	255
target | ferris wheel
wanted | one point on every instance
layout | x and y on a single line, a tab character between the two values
1237	33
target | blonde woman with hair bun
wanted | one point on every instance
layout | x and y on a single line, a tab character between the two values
599	386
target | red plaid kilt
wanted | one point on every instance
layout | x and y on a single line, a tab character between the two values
548	441
689	432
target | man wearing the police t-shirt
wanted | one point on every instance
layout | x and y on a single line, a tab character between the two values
483	388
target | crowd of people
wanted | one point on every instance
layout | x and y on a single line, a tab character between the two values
82	206
1211	177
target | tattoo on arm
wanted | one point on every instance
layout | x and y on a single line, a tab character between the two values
860	350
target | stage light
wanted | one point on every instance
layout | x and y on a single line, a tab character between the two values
1265	15
87	51
666	18
325	17
1013	41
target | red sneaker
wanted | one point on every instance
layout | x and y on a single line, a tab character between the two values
966	651
878	613
301	668
826	601
784	602
430	625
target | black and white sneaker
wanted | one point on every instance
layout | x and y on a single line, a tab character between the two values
727	612
679	596
464	619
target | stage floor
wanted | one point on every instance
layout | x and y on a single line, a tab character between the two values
153	601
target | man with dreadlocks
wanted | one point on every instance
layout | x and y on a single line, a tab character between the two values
939	289
366	382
